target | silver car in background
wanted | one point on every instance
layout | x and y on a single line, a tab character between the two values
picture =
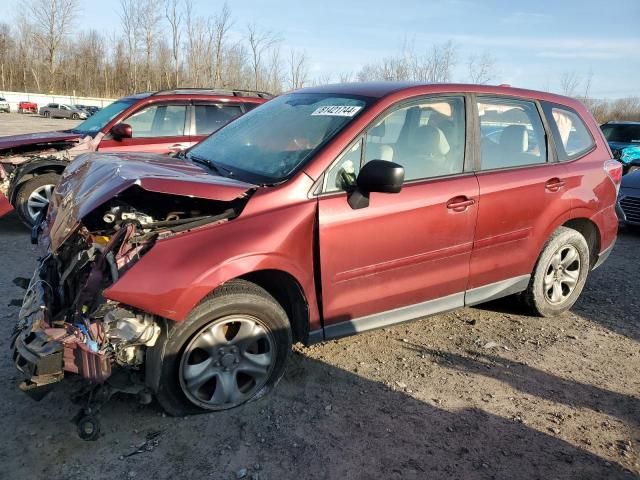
61	110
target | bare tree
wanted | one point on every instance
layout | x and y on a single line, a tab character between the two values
221	25
569	83
130	21
52	21
298	70
481	68
149	19
174	17
259	42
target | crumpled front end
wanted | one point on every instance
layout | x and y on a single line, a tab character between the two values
66	325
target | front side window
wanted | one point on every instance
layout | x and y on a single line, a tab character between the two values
210	118
268	144
426	138
511	134
158	121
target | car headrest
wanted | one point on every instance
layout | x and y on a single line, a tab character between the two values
515	139
378	131
431	140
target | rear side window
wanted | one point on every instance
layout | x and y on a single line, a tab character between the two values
511	134
210	118
570	134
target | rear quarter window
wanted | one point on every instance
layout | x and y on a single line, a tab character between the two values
570	134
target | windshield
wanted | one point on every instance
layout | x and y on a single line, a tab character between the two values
98	120
622	133
271	142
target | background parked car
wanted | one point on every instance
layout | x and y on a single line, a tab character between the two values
624	141
161	122
629	200
27	107
90	109
4	105
60	110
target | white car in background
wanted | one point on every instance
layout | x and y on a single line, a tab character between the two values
4	105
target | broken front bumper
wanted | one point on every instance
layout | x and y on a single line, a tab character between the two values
43	352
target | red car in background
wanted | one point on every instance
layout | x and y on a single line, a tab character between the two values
161	122
326	212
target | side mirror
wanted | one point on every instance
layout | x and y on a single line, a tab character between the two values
121	130
376	176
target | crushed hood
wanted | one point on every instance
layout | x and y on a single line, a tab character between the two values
95	178
15	141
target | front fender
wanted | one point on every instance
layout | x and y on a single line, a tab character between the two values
179	271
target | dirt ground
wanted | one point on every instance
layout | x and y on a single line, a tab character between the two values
486	393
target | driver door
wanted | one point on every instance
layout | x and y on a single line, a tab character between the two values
407	254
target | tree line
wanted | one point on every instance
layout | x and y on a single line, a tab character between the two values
160	44
164	44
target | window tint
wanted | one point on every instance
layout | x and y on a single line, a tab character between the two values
571	136
53	105
158	121
210	118
511	134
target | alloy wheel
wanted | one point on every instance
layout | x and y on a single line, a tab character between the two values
227	362
562	274
38	200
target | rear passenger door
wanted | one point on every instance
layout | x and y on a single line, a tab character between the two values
156	128
210	117
521	194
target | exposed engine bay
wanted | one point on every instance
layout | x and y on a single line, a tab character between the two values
65	324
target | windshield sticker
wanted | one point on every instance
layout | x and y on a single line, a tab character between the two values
337	110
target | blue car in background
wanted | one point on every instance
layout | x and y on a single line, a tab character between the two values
624	141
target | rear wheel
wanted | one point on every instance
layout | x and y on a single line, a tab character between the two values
231	350
560	273
34	196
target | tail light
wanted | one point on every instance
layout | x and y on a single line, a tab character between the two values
614	171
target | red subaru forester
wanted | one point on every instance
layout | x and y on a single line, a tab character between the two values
325	212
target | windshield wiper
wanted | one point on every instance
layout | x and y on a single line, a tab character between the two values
210	164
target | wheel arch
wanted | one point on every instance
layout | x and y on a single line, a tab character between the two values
288	292
590	231
34	169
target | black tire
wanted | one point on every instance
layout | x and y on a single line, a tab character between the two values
537	297
30	186
237	297
75	116
46	114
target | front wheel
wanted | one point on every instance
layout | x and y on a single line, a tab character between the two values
46	114
75	116
34	196
560	273
231	350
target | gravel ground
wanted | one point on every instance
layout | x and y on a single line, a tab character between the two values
484	392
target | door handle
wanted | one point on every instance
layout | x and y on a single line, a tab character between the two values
460	203
554	184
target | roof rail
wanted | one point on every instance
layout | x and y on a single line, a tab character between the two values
214	91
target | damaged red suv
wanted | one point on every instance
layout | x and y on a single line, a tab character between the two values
161	122
323	213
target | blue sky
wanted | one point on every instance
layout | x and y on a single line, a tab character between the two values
533	42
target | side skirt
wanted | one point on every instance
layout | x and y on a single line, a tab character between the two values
420	310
